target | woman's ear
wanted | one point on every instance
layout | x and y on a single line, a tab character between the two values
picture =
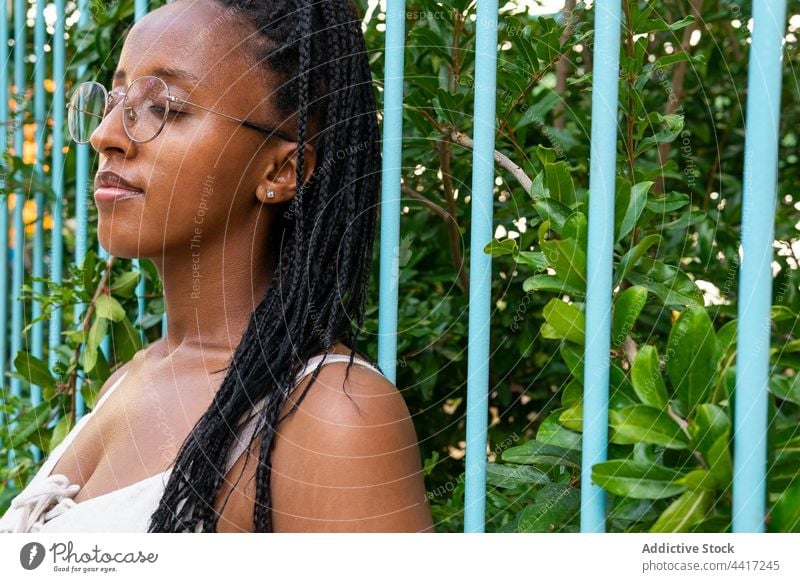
278	183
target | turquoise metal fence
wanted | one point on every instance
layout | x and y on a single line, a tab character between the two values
480	275
599	257
760	179
755	277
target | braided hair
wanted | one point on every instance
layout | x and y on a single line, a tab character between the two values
331	221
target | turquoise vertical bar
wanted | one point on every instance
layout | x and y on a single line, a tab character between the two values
39	97
390	187
139	10
755	278
83	189
18	255
480	274
83	163
4	250
602	172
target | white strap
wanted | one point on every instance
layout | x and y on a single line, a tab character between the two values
99	403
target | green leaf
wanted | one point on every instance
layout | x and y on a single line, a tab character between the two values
622	393
533	259
568	321
668	283
568	260
109	308
28	423
693	356
549	283
699	479
510	476
673	59
672	127
633	256
786	388
626	511
88	272
684	221
552	433
785	514
577	228
726	337
661	204
555	504
782	313
646	379
536	453
710	422
637	480
559	183
126	340
426	38
553	210
572	417
547	100
627	307
61	430
497	248
430	463
34	370
572	393
719	460
657	24
650	425
573	358
546	155
636	204
101	370
687	510
96	334
125	284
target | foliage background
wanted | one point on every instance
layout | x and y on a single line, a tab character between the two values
679	200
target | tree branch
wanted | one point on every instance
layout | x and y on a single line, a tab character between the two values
501	159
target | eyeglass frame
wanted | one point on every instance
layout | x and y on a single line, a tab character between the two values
170	99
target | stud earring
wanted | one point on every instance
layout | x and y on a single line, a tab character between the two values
271	194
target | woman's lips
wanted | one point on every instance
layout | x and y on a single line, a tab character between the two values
113	194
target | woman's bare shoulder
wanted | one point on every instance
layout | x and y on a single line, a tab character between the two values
347	459
112	379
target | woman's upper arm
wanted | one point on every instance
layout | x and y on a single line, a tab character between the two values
337	469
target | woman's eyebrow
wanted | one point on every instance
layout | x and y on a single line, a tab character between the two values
164	71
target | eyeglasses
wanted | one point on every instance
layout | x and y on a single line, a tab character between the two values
145	108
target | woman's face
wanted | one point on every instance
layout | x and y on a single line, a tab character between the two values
204	178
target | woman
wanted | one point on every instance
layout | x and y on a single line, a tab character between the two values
263	240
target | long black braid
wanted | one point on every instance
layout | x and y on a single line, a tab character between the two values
324	243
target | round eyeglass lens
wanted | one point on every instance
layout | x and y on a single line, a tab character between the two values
145	108
86	110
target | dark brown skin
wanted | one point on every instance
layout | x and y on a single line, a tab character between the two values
333	469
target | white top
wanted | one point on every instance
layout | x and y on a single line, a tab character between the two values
46	504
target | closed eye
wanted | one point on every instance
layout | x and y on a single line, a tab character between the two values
160	110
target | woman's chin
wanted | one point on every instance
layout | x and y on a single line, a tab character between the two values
123	249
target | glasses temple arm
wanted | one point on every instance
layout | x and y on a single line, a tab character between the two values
69	106
263	128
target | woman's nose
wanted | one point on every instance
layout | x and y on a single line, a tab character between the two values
110	135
